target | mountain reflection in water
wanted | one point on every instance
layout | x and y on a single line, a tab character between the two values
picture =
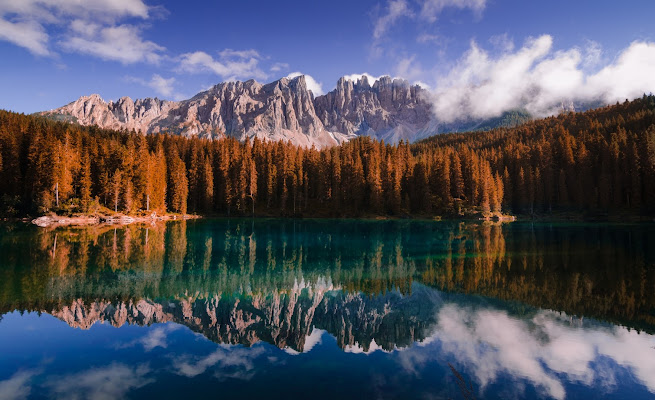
381	308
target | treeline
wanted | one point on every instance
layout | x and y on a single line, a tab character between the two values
53	166
601	160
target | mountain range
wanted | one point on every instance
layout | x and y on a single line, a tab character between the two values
387	109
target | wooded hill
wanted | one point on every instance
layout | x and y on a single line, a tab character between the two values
600	161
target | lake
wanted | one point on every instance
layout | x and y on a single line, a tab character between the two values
328	309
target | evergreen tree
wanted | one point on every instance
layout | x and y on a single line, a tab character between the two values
178	184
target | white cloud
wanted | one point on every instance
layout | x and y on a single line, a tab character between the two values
502	43
593	54
29	35
162	85
122	43
85	28
230	65
111	382
312	84
539	79
400	69
358	349
429	38
630	76
277	67
24	22
546	351
48	10
355	77
396	9
17	387
155	337
246	54
241	360
315	338
431	9
423	85
409	68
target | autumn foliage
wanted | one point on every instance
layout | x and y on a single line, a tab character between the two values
599	161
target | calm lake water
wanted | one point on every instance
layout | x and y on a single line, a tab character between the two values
328	309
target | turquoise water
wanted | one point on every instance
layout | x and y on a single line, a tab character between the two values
328	309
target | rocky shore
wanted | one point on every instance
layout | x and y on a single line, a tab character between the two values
50	221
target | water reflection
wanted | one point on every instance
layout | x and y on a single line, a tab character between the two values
548	349
391	294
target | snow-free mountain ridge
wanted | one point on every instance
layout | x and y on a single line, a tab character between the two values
389	109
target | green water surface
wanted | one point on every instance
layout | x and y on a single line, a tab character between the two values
328	309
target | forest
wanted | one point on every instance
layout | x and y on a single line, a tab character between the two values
597	162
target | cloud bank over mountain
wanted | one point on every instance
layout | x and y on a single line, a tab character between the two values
539	79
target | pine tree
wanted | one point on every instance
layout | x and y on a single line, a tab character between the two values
156	190
252	184
85	183
456	179
206	186
178	184
116	186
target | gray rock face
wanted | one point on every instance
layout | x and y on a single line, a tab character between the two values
282	110
282	319
392	110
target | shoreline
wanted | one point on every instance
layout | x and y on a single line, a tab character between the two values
54	221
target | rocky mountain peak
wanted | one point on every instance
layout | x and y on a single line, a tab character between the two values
285	109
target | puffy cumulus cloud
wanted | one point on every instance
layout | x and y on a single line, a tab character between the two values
423	85
105	29
312	84
227	361
355	77
403	71
431	9
395	10
536	78
24	22
546	351
512	348
359	349
629	76
111	382
122	43
315	338
230	64
18	386
156	337
311	341
162	86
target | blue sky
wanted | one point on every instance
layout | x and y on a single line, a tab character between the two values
53	51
